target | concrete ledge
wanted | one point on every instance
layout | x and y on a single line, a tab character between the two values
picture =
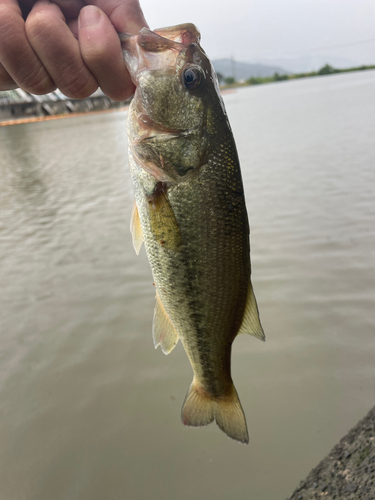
348	472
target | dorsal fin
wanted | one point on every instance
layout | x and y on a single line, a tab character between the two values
251	323
163	331
136	230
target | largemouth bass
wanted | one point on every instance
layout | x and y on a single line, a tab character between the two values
190	212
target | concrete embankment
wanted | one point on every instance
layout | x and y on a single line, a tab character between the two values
348	472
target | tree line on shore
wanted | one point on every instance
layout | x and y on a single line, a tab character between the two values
327	69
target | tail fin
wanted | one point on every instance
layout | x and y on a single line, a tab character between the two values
201	409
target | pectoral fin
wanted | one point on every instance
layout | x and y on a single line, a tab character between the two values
163	331
251	322
136	230
164	225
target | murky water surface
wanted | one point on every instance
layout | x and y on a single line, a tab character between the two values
88	409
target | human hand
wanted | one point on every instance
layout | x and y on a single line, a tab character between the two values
67	44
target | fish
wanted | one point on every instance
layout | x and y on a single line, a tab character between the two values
190	213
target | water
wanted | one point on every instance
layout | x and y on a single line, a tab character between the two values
88	409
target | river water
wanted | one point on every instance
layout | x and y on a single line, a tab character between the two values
88	409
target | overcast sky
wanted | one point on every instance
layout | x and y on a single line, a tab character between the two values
251	30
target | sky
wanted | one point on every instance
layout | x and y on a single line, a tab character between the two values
254	30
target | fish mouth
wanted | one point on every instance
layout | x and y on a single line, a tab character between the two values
158	49
165	38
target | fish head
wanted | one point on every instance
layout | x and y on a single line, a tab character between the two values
170	119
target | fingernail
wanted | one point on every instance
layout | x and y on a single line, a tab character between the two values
89	16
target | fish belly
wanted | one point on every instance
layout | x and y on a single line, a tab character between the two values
202	281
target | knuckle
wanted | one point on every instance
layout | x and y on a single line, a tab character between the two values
40	88
26	70
6	20
78	86
7	17
95	55
34	78
11	29
37	26
42	22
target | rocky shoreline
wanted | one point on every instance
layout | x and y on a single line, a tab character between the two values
348	472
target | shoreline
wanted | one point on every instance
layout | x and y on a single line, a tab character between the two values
32	119
224	89
348	471
255	81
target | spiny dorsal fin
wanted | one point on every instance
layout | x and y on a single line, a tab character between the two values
163	331
136	230
251	322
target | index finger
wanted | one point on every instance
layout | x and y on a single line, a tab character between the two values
17	56
125	15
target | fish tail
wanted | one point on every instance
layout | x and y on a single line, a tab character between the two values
230	417
200	408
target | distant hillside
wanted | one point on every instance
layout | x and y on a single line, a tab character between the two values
312	62
245	70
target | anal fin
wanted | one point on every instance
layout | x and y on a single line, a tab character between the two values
136	230
163	331
251	323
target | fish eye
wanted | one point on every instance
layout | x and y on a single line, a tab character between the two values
191	78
